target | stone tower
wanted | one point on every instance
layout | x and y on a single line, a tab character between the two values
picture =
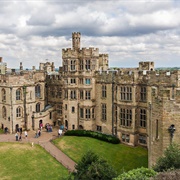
76	38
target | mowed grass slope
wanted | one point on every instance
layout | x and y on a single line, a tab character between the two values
121	157
21	161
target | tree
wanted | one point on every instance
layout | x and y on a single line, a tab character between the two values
91	167
137	174
170	160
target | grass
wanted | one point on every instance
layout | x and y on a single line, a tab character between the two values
21	161
1	131
121	157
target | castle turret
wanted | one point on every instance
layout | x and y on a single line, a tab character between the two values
76	38
21	66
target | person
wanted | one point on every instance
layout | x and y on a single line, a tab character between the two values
20	138
36	134
16	135
59	132
41	126
39	132
25	134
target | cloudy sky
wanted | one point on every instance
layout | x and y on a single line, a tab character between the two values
130	31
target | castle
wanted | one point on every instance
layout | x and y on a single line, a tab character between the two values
141	106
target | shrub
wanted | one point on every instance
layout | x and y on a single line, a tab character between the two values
137	174
97	135
91	166
170	159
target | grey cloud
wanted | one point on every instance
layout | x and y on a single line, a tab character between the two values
41	20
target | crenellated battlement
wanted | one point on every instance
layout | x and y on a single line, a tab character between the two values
81	52
165	78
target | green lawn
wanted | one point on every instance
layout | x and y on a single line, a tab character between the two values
21	161
1	131
121	157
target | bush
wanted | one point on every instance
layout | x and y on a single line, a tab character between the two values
91	166
170	160
93	134
137	174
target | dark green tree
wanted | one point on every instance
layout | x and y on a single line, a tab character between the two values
92	167
170	160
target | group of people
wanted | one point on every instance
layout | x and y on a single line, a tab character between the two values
48	127
38	133
18	135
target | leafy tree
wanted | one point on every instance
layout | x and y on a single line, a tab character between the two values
170	159
137	174
92	167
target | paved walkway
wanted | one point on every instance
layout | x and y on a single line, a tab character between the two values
45	141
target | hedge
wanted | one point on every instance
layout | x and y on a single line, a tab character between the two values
86	133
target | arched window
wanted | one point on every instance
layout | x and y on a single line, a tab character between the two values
19	112
38	91
3	93
18	94
38	107
4	112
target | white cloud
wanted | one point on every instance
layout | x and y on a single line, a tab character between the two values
129	31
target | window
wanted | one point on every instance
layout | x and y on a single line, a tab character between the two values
18	112
73	65
103	91
38	107
59	92
88	95
3	93
103	111
157	128
81	113
88	114
81	94
81	65
18	94
142	139
125	138
38	91
93	113
125	117
80	80
50	115
73	109
66	107
65	65
65	81
4	112
73	81
115	92
30	95
65	94
59	109
88	81
88	65
99	128
73	94
142	118
126	93
115	113
73	126
52	92
143	94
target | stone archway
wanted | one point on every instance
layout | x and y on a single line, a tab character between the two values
17	127
81	127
